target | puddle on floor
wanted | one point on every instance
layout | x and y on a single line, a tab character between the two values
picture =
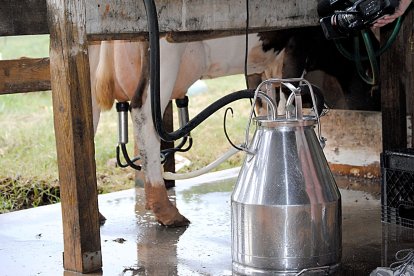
133	243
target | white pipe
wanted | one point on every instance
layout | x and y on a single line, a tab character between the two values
206	169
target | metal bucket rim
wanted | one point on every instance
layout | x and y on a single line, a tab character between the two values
264	121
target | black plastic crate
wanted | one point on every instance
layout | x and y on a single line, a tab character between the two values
397	197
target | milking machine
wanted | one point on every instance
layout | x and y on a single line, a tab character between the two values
184	123
182	132
285	207
122	108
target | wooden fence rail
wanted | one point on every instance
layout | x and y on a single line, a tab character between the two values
24	75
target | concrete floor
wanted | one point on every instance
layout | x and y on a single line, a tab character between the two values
31	241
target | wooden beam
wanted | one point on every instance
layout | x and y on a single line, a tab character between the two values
114	19
409	58
24	75
72	111
107	17
396	82
23	17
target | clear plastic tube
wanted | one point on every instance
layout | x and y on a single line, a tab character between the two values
178	176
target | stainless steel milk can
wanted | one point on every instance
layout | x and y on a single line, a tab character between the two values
286	207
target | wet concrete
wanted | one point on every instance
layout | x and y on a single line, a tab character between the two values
31	241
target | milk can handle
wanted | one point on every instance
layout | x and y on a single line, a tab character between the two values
298	103
272	116
296	95
273	106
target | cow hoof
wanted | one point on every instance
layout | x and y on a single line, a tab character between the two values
178	221
102	219
169	184
165	212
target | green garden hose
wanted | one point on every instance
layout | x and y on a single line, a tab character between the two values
371	54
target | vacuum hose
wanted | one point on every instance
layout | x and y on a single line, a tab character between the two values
154	43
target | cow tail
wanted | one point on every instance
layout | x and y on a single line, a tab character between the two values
104	83
139	94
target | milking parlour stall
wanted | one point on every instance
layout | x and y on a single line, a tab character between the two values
325	186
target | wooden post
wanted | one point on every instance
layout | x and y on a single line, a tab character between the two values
70	83
409	54
396	82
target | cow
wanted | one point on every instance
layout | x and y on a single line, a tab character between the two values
121	73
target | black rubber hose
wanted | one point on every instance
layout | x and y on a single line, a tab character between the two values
154	43
208	111
126	157
118	159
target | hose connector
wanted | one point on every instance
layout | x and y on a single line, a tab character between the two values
122	108
183	115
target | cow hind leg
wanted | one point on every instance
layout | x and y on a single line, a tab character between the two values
165	212
155	192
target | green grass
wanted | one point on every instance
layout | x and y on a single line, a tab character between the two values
33	46
26	193
28	166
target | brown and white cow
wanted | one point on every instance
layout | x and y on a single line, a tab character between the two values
122	74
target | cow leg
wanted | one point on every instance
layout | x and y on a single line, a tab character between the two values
155	191
96	113
149	141
94	51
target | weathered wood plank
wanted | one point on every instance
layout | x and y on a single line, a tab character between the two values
111	19
72	111
24	75
409	67
396	85
23	17
111	16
